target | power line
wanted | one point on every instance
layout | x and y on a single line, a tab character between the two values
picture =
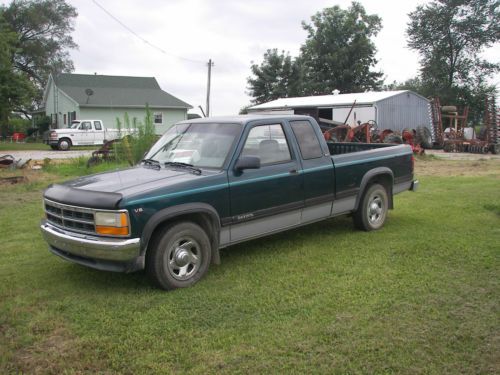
145	41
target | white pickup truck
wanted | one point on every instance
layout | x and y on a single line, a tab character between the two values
82	133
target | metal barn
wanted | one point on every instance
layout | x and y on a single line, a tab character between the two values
394	110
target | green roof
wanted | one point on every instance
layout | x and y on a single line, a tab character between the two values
116	91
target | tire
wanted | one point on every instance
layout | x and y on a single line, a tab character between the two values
483	133
64	144
93	160
179	256
393	138
495	148
372	210
424	137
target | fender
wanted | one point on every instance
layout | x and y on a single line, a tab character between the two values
368	176
183	209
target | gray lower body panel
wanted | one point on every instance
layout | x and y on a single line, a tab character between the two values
261	227
272	224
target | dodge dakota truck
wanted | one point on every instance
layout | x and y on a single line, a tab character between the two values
82	133
214	182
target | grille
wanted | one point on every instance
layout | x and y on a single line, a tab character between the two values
77	219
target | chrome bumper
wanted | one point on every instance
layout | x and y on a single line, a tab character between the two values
414	185
68	244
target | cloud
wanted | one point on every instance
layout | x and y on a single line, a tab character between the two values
231	32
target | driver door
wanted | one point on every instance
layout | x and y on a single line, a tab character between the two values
84	134
269	198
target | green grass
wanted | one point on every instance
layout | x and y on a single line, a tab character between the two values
11	146
420	296
36	146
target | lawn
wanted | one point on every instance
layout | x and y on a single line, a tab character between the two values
13	146
35	146
420	296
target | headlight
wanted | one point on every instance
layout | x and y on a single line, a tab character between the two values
112	223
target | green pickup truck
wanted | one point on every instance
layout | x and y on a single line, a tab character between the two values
213	182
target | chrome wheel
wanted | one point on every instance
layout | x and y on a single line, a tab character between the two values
63	145
372	210
184	258
375	209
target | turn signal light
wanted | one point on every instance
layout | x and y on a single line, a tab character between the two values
111	231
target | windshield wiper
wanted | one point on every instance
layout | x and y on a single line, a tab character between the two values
151	162
183	165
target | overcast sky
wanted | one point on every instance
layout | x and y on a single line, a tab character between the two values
231	33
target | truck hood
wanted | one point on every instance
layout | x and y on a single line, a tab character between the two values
106	190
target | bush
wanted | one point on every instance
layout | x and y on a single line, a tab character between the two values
132	148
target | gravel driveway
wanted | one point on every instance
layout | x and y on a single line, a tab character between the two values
40	155
462	155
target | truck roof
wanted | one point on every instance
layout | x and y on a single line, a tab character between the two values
243	119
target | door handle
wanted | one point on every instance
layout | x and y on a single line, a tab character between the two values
294	171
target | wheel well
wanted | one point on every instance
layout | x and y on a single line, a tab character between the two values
66	138
204	220
386	181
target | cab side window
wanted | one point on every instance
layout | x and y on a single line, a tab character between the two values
85	125
97	125
269	143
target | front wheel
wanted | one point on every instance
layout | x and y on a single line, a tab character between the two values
179	256
372	210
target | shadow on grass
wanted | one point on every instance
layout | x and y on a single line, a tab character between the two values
81	278
332	227
495	208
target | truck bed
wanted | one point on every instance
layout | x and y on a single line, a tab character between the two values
338	148
355	161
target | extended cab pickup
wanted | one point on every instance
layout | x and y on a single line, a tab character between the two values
82	133
210	183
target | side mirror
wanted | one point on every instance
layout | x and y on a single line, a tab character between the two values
247	162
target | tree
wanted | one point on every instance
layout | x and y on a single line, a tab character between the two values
449	35
339	53
15	87
43	37
276	77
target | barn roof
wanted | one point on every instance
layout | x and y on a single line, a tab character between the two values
331	100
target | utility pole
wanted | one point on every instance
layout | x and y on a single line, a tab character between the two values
210	64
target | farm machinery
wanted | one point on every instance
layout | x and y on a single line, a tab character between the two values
368	132
449	124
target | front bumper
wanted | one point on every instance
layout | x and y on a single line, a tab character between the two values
414	185
109	254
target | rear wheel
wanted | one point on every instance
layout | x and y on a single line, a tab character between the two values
64	144
372	210
179	256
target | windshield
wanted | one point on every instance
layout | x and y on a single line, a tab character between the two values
201	145
75	125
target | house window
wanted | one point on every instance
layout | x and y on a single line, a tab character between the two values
65	119
158	118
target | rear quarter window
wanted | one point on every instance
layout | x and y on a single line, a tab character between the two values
309	145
